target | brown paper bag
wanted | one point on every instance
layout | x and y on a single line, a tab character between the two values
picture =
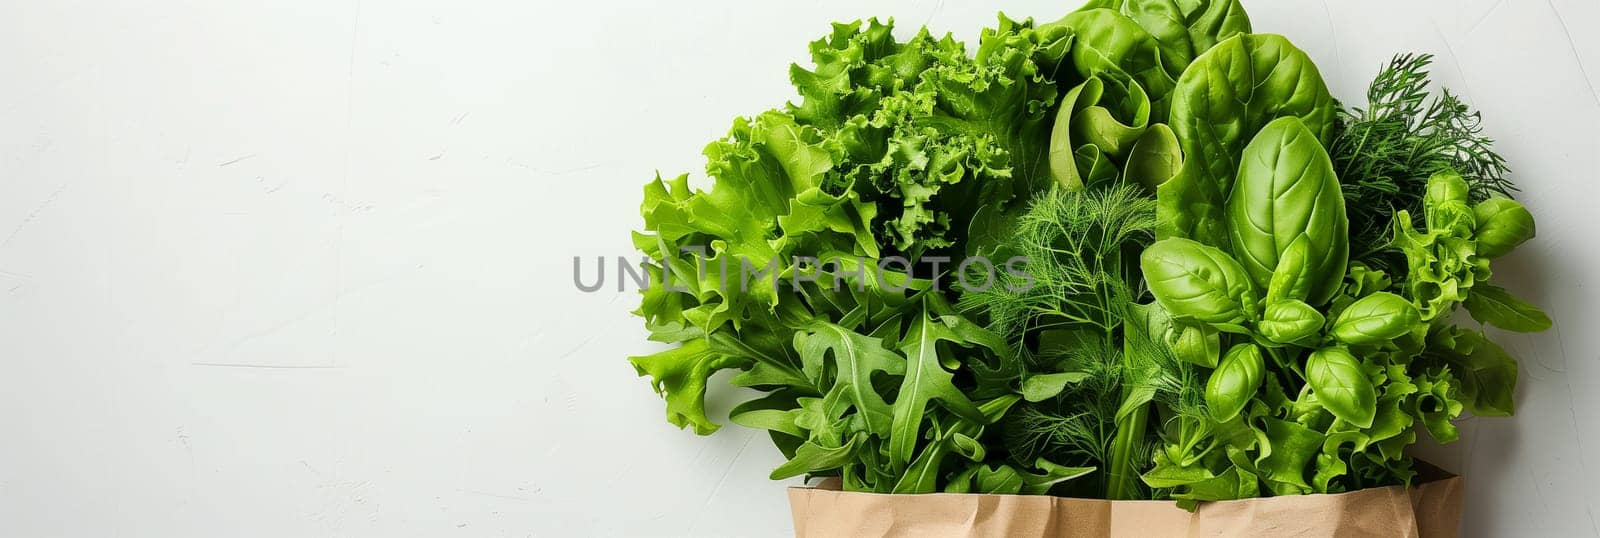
1429	509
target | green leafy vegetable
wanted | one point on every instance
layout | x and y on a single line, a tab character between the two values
1234	382
1291	321
1195	281
1385	152
1155	184
1376	318
1336	379
1493	305
1502	225
1221	101
1286	192
893	149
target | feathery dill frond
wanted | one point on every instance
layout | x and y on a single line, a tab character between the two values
1384	153
1077	425
1075	244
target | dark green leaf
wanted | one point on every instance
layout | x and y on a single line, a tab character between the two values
1495	306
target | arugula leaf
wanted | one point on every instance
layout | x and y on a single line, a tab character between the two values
925	380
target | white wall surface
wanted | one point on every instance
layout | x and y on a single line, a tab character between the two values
305	270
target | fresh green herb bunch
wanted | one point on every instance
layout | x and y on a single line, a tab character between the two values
1066	315
1385	152
1075	244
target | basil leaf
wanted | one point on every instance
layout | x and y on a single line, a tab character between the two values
1196	282
1337	381
1289	280
1288	322
1502	225
1286	192
1376	318
1235	381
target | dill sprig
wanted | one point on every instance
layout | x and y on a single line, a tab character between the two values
1076	304
1384	153
1080	248
1077	425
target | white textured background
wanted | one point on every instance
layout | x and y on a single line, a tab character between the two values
305	270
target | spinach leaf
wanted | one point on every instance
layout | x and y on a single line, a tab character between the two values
1184	29
1221	101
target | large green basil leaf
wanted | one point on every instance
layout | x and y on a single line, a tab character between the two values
1287	191
1494	305
1221	101
1339	384
1197	282
1379	317
1233	384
